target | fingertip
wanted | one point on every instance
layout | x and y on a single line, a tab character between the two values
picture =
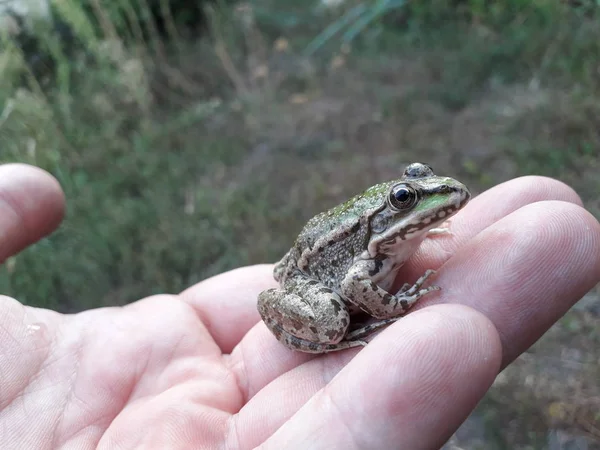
526	270
572	237
534	188
32	204
506	198
31	176
518	192
579	221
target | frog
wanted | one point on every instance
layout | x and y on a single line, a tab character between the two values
345	261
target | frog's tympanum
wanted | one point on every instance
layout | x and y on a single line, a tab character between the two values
346	259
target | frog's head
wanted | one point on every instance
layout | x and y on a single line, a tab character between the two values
411	206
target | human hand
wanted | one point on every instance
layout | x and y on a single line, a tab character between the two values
199	369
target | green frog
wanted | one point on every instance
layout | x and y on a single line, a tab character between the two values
346	259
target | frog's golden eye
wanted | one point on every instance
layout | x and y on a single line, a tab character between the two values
402	197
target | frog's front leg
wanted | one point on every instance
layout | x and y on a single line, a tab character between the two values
361	290
306	315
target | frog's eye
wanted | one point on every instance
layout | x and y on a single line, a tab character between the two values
402	197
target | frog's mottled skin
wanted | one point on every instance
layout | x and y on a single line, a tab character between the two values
345	260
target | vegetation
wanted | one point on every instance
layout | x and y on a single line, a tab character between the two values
187	151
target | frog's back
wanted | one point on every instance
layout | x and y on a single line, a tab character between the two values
343	216
340	230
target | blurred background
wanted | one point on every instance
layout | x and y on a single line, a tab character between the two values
196	137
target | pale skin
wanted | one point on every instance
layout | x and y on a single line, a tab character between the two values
199	370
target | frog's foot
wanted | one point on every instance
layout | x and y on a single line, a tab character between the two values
376	301
405	287
415	289
443	229
306	346
306	315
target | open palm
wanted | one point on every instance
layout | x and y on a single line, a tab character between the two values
199	369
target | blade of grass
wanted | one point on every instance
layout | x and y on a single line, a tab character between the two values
351	15
378	10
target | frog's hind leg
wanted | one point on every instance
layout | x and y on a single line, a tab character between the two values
306	346
306	316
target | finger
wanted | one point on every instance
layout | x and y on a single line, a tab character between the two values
526	270
410	388
511	195
523	273
485	209
31	206
280	398
260	358
226	303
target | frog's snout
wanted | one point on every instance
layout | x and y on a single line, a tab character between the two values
464	195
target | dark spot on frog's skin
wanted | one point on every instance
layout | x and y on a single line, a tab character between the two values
344	322
313	346
332	334
355	227
330	243
365	289
320	249
312	282
336	305
298	325
387	299
404	304
378	264
314	330
325	290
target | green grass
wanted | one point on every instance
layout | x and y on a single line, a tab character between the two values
148	146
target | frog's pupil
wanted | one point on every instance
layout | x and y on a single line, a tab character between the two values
402	195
